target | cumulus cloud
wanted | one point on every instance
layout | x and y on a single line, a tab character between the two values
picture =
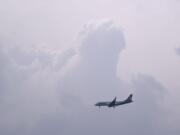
96	71
94	78
45	102
28	80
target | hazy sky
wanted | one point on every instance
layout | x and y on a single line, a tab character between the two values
58	58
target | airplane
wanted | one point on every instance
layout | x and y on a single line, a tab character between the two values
115	103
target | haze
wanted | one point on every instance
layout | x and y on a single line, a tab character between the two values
58	58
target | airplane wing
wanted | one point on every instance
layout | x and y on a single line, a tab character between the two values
112	103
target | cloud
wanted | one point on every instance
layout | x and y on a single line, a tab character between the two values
28	79
98	54
149	98
38	99
94	78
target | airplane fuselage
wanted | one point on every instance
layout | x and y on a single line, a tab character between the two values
112	105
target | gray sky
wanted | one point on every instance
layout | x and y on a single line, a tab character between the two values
58	58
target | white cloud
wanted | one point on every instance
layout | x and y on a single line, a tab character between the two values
38	77
94	78
36	99
28	79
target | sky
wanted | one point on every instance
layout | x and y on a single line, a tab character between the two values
58	58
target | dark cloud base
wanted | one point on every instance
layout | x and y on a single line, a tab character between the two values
177	51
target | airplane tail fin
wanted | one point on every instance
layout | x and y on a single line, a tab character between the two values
130	98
